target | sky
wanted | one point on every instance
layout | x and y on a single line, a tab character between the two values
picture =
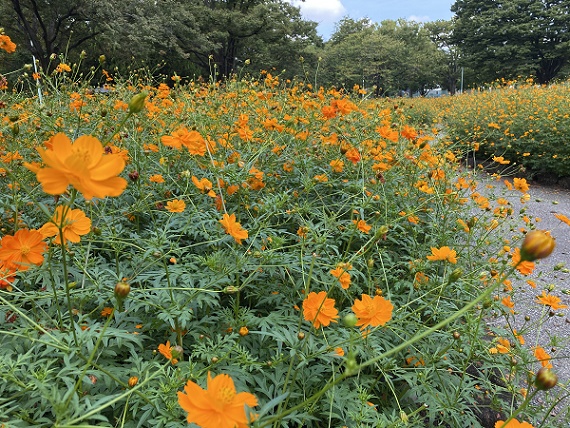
329	12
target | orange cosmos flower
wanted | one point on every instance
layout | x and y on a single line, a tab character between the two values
192	140
319	309
563	218
501	160
204	185
218	406
542	356
372	311
328	112
353	155
443	253
6	277
503	345
7	44
506	301
550	300
341	273
520	184
408	132
337	165
166	351
156	178
63	68
524	267
23	249
176	206
513	423
362	226
82	165
232	227
73	224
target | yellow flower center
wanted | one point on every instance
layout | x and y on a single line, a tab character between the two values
24	250
81	157
226	395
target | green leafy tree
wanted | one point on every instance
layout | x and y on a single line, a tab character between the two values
191	37
392	56
440	33
507	38
359	54
44	27
419	64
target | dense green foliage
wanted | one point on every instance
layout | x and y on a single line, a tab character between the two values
200	38
510	38
336	194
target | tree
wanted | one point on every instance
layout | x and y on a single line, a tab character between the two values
189	37
440	33
507	38
420	64
392	56
44	27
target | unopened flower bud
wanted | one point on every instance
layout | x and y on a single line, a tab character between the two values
545	379
137	102
350	320
243	331
102	59
133	380
177	352
122	289
536	245
455	275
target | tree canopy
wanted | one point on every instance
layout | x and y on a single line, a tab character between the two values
508	38
490	39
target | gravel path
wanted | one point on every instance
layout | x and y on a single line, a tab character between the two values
549	329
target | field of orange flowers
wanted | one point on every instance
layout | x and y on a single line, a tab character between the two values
516	125
255	253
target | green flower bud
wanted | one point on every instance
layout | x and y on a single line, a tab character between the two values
350	320
137	102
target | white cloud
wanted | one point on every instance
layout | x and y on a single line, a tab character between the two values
416	18
322	11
